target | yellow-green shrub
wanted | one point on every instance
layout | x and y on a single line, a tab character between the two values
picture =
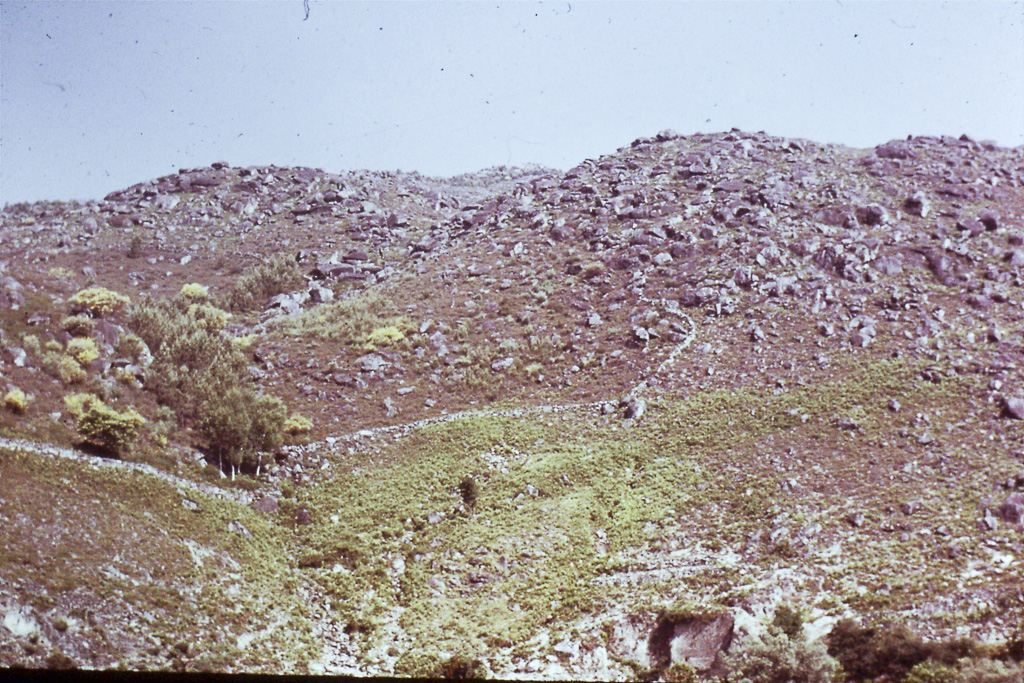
209	317
100	301
16	401
83	350
74	404
297	424
278	275
78	325
106	428
245	343
70	371
195	291
30	343
383	336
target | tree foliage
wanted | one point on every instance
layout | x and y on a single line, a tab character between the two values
198	372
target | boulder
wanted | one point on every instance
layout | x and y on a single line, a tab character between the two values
897	149
1013	408
321	295
286	303
503	364
872	214
990	219
267	505
1012	509
694	640
918	205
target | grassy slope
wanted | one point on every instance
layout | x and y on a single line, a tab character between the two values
139	578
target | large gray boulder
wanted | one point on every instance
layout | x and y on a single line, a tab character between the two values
695	640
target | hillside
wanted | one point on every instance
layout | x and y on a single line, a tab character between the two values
596	424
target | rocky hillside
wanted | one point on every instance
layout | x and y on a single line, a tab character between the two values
635	419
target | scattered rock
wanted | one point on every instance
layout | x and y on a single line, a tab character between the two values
503	364
1012	509
695	641
267	505
918	205
1013	408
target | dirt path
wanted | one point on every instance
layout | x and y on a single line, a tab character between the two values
96	462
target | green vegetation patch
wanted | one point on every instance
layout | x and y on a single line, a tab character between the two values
363	318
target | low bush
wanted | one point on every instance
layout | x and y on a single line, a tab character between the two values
383	336
788	620
933	672
470	491
349	320
104	427
194	292
83	350
16	401
78	325
461	668
680	673
989	671
279	275
868	652
593	269
775	657
30	343
70	370
100	301
297	425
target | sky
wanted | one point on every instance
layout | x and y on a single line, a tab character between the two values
97	96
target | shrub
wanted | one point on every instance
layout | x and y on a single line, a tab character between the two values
107	428
788	620
83	350
469	490
680	673
350	320
775	657
279	275
245	344
78	325
195	292
209	317
16	401
70	370
383	336
932	672
203	377
868	652
592	269
74	404
461	668
31	344
297	425
100	301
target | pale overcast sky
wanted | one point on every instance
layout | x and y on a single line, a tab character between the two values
97	96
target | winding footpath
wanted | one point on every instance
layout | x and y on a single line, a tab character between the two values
98	463
243	497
